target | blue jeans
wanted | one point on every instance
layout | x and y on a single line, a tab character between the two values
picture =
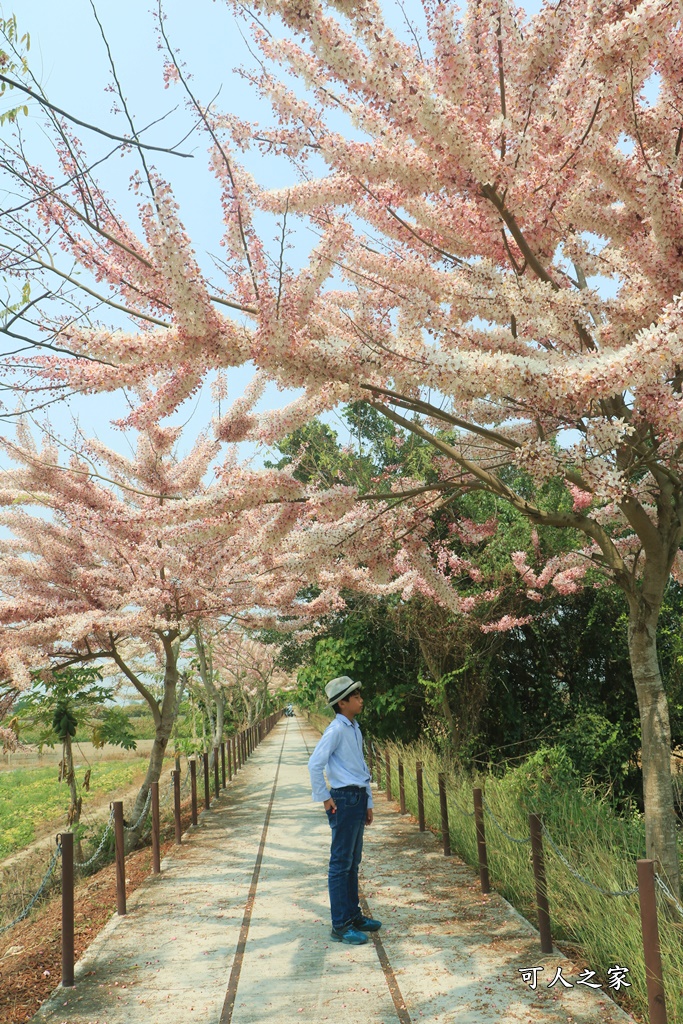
348	825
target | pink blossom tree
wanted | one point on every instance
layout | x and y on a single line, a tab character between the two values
138	562
248	670
495	178
497	172
502	172
502	219
124	558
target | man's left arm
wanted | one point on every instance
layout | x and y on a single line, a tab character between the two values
369	813
326	745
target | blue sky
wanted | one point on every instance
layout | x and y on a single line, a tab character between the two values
69	58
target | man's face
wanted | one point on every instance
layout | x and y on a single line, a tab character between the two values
353	704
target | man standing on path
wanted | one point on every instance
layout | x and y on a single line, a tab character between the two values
348	805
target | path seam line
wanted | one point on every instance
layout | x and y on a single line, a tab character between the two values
231	994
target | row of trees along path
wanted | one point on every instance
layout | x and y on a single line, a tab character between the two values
497	269
139	563
236	925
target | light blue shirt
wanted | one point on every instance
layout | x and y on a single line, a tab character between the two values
339	753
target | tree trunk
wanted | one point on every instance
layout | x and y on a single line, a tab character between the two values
214	695
74	815
264	698
435	662
448	718
217	724
660	816
220	720
195	737
164	716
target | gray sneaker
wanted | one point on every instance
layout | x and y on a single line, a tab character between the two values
349	934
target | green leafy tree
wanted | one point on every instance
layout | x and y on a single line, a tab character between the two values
379	453
566	678
14	48
65	705
449	679
364	643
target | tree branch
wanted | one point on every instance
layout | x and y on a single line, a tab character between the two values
492	483
418	405
138	684
84	124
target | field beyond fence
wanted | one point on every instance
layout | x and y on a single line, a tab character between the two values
85	753
32	799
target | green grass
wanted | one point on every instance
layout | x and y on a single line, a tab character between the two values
32	797
598	843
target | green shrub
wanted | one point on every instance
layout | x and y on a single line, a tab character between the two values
600	749
537	781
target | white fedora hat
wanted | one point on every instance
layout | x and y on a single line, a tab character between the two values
339	688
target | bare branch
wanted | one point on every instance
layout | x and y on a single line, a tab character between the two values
84	124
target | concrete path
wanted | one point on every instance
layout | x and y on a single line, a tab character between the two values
235	930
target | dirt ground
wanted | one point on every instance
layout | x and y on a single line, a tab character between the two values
31	952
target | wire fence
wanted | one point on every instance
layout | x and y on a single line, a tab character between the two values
538	838
525	840
103	842
143	814
521	840
435	792
166	800
581	878
83	865
659	881
41	889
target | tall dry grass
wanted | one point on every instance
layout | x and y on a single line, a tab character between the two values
602	846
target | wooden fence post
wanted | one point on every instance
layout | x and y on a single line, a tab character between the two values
420	796
481	841
156	854
653	958
401	787
67	843
176	807
120	858
207	795
193	788
445	831
541	886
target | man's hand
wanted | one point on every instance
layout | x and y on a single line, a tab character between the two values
330	805
369	816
